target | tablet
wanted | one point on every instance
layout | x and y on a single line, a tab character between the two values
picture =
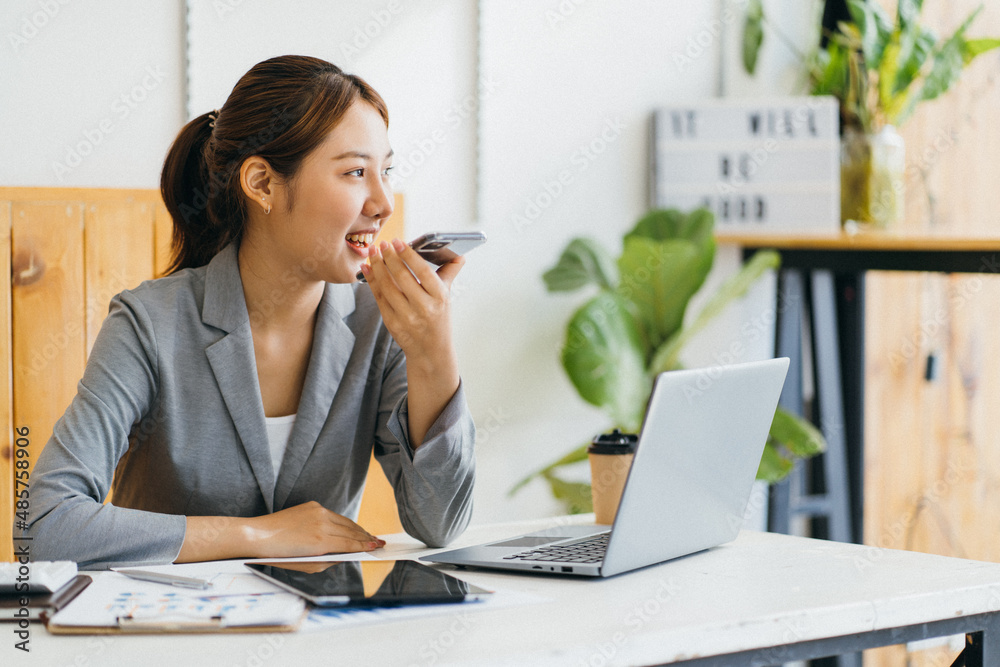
367	583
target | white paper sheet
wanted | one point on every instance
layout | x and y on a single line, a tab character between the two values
112	596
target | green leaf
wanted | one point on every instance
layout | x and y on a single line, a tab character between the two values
583	261
907	12
887	73
604	357
830	72
575	496
875	28
948	62
575	456
976	47
797	435
666	258
915	47
790	437
659	278
753	35
667	357
669	224
774	466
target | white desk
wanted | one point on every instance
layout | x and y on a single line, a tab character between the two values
773	597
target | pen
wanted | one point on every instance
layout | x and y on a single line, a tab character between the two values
172	579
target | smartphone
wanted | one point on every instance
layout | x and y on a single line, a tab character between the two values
442	247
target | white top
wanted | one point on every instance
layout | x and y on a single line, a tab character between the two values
279	430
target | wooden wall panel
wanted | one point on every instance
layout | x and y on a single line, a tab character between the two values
119	255
7	459
932	460
47	303
163	236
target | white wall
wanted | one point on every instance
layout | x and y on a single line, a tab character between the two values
564	154
569	85
89	95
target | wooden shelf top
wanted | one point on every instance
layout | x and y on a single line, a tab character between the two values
879	241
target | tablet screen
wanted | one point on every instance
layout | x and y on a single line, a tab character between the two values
367	583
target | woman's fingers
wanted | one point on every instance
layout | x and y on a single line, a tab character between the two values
343	523
448	271
411	274
413	299
310	529
428	274
382	285
348	546
344	536
355	533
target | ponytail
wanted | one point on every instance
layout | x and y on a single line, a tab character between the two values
186	192
280	110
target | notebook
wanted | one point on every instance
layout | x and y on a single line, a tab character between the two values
698	453
41	606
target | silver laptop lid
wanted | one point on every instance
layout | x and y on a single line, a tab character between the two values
698	454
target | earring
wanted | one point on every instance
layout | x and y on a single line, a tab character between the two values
267	210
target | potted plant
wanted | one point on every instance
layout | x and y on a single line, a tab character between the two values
879	69
635	326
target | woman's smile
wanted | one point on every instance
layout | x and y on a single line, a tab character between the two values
361	241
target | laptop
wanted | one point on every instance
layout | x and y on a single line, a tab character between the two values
697	456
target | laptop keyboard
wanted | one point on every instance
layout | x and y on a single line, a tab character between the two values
590	550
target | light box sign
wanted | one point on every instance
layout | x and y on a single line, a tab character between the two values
761	166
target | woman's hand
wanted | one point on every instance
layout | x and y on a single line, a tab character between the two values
416	310
308	529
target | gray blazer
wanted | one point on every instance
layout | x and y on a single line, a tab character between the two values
169	415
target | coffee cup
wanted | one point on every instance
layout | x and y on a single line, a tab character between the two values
610	457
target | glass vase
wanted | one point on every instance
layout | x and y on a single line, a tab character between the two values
872	170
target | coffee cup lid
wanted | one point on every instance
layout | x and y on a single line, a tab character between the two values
615	442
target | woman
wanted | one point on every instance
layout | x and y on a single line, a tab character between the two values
235	403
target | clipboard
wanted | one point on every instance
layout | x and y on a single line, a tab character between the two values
116	605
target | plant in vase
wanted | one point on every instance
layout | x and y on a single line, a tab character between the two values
879	69
634	327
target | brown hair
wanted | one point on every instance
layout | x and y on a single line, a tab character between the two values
280	110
